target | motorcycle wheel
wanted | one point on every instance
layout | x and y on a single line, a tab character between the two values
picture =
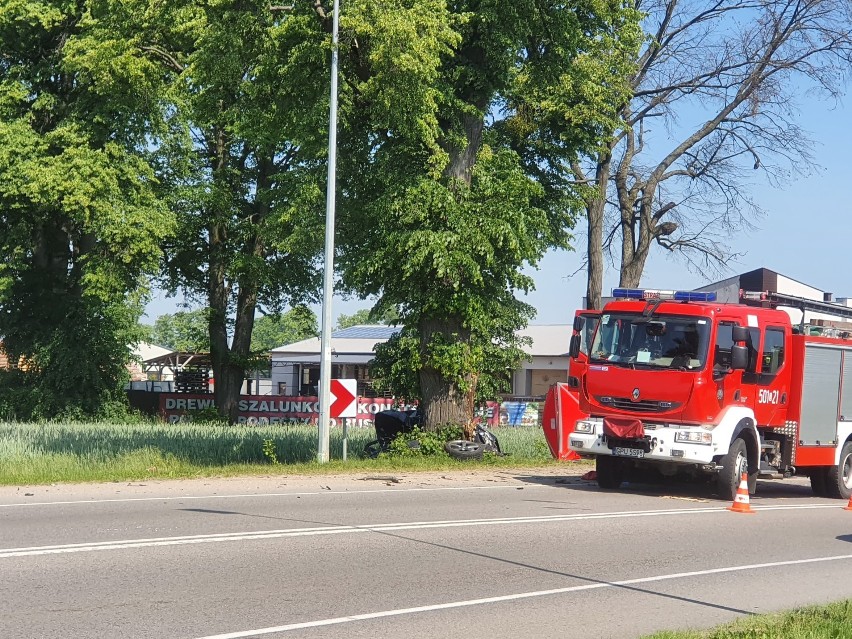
463	449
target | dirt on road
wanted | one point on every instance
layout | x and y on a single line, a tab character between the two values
563	474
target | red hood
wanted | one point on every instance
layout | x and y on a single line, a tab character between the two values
662	394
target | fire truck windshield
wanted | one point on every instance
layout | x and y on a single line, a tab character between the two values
660	341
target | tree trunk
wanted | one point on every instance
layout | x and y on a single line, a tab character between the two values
634	251
596	210
217	323
226	391
443	401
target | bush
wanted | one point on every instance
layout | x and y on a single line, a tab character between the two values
431	443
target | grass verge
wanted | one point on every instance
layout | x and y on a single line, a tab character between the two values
813	622
58	452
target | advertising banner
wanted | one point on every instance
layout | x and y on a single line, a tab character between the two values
281	409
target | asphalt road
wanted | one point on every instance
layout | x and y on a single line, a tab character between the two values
464	555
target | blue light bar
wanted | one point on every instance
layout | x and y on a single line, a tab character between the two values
692	296
629	293
654	294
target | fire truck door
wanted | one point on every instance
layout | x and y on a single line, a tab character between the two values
772	382
729	383
590	320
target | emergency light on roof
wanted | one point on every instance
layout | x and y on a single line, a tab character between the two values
654	294
755	296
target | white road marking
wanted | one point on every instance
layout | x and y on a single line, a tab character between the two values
521	595
301	494
390	527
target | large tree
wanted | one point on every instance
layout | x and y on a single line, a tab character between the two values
714	98
237	156
439	212
81	222
293	325
366	316
184	331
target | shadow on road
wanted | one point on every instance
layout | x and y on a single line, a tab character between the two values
490	557
675	487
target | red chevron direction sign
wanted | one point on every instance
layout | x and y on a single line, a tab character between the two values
344	402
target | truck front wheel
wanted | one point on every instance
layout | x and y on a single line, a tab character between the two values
818	479
734	464
610	471
838	479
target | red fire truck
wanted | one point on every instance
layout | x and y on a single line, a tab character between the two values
681	383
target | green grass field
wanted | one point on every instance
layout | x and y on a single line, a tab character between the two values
43	453
833	621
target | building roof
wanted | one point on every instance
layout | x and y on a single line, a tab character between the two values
355	339
357	343
145	351
548	340
366	331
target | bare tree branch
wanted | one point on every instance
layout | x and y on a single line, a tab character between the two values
722	76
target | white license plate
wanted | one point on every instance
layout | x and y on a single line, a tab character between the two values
628	452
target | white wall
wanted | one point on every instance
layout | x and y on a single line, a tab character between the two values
792	287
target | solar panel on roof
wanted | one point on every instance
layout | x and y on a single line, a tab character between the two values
366	332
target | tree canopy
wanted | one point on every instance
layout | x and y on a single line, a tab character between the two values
82	221
184	331
294	325
192	137
237	153
713	99
366	316
454	163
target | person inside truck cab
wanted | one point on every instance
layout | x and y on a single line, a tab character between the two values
682	346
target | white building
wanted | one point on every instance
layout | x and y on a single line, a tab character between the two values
549	360
295	367
765	280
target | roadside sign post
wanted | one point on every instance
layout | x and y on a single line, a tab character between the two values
343	395
328	262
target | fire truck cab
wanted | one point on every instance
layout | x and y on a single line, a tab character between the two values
681	383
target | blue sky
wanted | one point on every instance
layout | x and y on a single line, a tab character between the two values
806	235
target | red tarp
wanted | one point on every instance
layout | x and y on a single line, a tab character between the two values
623	428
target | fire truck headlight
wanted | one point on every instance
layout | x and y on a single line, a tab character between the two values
694	437
584	427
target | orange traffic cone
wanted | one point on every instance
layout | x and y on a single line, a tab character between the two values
849	505
740	504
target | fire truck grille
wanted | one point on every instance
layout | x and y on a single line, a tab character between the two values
641	406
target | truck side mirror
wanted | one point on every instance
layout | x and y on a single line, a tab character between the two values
739	357
574	346
578	323
739	333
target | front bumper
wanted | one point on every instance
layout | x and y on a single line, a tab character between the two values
660	443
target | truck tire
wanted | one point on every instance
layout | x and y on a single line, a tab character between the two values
610	472
818	481
838	479
734	464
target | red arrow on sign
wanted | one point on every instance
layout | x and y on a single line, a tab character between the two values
343	399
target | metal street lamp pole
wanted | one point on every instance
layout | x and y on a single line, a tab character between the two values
328	268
